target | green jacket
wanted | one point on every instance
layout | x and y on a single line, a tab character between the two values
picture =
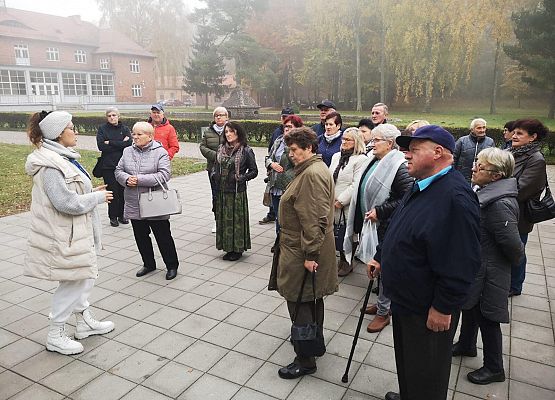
209	145
306	220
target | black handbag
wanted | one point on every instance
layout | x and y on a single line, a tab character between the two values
308	339
339	229
541	210
97	170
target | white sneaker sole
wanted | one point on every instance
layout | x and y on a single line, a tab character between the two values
65	352
84	335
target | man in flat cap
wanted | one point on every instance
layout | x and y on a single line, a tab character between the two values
326	107
428	260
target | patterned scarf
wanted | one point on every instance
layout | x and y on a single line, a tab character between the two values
227	150
517	151
343	161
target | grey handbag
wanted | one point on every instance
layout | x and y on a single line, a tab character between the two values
158	203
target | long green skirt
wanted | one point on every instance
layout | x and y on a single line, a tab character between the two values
232	222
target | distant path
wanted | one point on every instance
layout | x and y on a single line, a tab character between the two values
85	142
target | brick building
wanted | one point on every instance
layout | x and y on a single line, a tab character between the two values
51	60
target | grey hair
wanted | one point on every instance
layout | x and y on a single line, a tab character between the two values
417	123
388	131
144	127
218	110
477	121
502	161
112	110
385	108
360	148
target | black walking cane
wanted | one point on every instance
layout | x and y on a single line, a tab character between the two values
345	378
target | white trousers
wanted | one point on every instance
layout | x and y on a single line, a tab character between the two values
70	297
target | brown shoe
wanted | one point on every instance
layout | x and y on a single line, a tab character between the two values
378	323
344	268
372	309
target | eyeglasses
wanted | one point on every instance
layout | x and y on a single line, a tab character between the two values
220	115
347	139
112	115
377	140
480	168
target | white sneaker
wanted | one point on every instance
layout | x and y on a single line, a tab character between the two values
214	228
58	341
87	325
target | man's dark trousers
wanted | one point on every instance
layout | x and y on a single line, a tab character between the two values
423	357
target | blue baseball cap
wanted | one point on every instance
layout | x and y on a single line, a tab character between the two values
158	107
434	133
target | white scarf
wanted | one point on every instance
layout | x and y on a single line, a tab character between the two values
218	129
331	138
376	192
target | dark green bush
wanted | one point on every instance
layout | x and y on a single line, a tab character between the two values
189	130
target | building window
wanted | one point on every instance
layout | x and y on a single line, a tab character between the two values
74	84
137	91
80	56
21	54
102	85
104	63
12	82
134	66
52	54
44	83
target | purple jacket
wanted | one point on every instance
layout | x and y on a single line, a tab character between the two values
145	163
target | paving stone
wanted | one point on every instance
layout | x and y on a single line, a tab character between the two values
201	355
534	317
141	289
533	373
210	289
169	344
275	326
496	390
190	302
195	325
140	309
108	354
533	351
185	283
236	367
139	366
258	345
248	394
28	325
143	393
519	390
164	295
115	302
210	387
264	303
374	381
225	335
7	337
41	365
236	295
310	388
532	333
105	387
12	314
172	379
217	309
166	317
71	377
37	391
18	351
265	380
139	335
11	384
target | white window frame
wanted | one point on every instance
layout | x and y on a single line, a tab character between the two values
102	85
134	66
74	84
52	54
22	54
80	56
137	90
44	83
104	63
14	84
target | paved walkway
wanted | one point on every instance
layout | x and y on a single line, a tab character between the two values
215	332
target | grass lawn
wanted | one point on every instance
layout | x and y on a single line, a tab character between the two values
15	195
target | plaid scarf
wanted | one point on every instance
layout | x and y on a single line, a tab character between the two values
227	150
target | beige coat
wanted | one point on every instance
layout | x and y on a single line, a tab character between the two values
306	220
347	180
61	245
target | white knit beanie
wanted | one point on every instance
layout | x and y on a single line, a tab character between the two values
54	124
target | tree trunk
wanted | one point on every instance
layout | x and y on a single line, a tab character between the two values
551	114
359	92
206	101
492	106
382	72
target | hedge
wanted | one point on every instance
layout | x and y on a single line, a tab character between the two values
258	131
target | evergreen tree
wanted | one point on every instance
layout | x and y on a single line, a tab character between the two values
206	70
535	48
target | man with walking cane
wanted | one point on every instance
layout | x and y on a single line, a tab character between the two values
428	260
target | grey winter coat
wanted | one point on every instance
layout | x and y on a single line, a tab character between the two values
501	247
466	150
145	163
209	144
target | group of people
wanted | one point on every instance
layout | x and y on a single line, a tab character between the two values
442	223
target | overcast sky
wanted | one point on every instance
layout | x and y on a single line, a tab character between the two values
87	9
